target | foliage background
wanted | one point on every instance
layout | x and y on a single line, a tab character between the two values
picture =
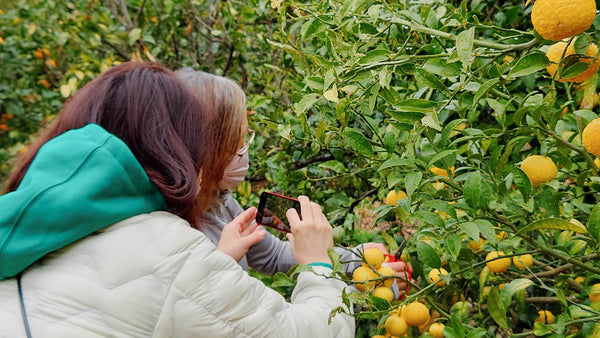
354	98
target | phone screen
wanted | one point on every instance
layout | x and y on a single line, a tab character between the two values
272	209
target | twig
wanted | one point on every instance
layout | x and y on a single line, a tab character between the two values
419	28
123	6
139	14
360	198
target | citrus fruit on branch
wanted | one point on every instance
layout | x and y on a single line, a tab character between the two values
558	19
561	51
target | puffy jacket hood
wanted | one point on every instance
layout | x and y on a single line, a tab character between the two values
78	183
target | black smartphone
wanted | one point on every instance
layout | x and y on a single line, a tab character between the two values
272	208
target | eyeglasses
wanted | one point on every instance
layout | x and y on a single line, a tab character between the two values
250	138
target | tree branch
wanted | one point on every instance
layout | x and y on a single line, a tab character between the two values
139	14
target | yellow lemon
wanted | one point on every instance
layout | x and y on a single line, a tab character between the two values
374	257
475	246
594	294
498	265
523	261
580	279
396	326
437	330
393	197
561	50
384	293
507	59
362	275
442	172
539	169
434	276
591	137
559	19
545	317
386	271
415	313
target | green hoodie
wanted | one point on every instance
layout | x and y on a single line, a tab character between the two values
79	182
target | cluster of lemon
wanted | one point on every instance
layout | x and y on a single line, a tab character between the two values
374	278
540	169
412	314
394	196
561	19
496	262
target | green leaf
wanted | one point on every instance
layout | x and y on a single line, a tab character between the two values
477	333
586	114
375	56
397	162
406	117
428	255
540	329
429	218
457	326
484	89
581	311
306	102
513	287
439	66
477	192
412	182
134	35
552	223
547	201
486	229
416	105
447	157
329	78
429	80
496	308
390	241
357	141
529	64
464	46
445	137
471	229
367	28
281	279
335	260
522	182
453	244
593	225
560	296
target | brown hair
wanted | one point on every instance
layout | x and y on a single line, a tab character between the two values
226	108
155	114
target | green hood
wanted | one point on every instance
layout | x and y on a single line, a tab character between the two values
79	182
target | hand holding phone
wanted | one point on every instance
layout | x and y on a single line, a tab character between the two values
272	210
312	235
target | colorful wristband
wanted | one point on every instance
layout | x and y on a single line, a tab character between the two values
327	265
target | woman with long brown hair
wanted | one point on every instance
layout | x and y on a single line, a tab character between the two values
95	236
227	165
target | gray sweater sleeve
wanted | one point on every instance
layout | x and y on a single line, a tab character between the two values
268	256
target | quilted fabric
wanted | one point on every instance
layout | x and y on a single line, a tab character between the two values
152	275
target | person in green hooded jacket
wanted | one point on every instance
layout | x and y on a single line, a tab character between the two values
95	235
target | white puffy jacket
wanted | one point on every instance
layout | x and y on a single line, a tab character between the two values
152	275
